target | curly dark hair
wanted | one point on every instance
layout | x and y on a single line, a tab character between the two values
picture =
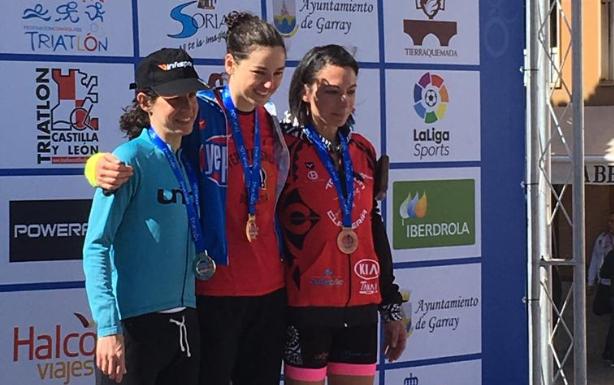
134	119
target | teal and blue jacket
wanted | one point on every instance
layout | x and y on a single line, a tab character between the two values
138	253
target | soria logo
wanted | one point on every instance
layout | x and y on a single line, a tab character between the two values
431	98
451	213
284	17
60	354
194	16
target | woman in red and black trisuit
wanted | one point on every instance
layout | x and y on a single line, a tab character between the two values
339	264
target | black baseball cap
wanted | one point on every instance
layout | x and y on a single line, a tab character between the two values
168	72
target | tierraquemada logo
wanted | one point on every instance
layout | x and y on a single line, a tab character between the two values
66	122
447	218
284	17
418	30
431	98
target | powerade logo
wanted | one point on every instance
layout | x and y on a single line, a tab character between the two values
431	100
214	159
418	30
47	230
66	122
193	17
66	26
433	213
59	354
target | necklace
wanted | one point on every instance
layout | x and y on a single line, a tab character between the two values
330	146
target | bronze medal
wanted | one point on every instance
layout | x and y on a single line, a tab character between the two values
251	229
347	240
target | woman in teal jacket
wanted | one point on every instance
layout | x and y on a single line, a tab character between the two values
139	253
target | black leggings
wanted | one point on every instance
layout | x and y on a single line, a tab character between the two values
157	347
242	338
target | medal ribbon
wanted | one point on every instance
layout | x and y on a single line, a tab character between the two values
191	200
345	203
250	173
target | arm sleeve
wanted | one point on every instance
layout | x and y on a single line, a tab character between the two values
390	308
105	218
596	261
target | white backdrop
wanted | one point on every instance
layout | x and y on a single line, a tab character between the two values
66	66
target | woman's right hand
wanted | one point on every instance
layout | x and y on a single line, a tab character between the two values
111	173
110	356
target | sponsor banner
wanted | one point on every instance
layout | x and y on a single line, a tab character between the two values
433	116
47	338
305	23
195	25
434	214
47	230
367	114
432	31
456	373
42	226
443	310
66	112
63	27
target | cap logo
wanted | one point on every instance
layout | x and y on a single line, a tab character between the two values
172	66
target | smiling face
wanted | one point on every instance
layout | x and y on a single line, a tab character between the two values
253	80
331	97
170	116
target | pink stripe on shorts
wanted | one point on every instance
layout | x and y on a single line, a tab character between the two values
345	369
304	374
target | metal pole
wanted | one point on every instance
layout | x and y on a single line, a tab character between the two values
578	198
539	198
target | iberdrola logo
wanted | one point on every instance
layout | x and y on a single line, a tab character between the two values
284	17
415	207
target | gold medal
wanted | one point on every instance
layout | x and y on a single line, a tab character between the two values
251	229
347	240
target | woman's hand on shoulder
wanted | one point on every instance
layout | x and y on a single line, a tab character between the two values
111	173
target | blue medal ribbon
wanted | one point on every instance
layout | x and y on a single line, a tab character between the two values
191	200
345	202
250	173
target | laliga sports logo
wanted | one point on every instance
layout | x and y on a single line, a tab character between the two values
419	29
415	207
284	17
431	98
